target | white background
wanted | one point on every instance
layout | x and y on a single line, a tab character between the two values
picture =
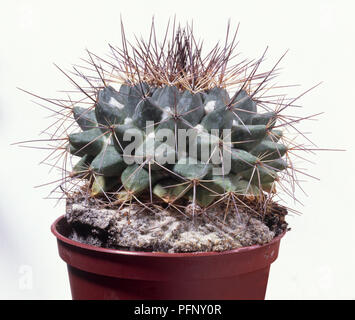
316	258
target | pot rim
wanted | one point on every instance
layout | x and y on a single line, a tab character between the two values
92	248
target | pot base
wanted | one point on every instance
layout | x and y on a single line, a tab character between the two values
90	286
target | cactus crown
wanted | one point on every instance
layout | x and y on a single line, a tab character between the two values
163	125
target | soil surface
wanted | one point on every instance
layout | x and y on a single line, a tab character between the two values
165	230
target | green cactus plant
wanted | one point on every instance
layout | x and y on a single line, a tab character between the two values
104	156
167	126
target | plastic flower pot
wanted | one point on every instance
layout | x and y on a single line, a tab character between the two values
99	273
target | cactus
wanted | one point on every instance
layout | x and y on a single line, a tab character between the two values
251	152
128	146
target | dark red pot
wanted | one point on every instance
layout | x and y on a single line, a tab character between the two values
98	273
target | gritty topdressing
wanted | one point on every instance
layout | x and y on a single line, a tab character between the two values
136	228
